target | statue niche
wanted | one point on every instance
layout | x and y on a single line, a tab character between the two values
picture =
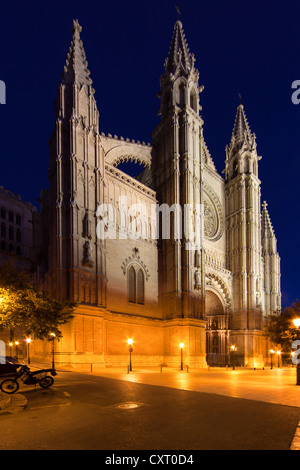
87	255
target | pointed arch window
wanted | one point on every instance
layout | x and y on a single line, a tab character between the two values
132	285
3	230
181	96
193	100
140	287
136	285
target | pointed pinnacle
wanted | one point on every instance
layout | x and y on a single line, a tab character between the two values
241	130
76	68
179	53
267	227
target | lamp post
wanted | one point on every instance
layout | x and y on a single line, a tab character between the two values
130	341
272	352
28	340
278	356
296	322
233	349
10	347
53	339
181	355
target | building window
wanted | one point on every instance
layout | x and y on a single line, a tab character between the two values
3	213
3	230
132	285
193	101
10	216
10	248
18	236
140	287
3	246
18	219
136	285
18	250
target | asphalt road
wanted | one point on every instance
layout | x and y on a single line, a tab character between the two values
84	412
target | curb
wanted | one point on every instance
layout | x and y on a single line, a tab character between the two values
296	439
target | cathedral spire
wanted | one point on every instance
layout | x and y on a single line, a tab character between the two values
180	81
179	54
76	67
267	227
241	153
241	130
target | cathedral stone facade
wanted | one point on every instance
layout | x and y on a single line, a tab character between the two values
159	291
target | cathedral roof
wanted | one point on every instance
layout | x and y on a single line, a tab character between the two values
179	53
76	68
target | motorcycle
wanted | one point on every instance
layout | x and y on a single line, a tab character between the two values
28	377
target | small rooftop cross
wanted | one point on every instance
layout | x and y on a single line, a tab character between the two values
178	12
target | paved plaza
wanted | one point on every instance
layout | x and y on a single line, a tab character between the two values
156	408
276	385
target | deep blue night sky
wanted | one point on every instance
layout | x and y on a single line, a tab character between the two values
247	47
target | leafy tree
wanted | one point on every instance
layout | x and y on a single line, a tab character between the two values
281	330
35	311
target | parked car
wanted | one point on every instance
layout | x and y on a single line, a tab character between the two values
8	365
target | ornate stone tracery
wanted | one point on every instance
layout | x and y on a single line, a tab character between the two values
135	259
213	215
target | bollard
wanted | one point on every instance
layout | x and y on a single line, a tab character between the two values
161	369
187	368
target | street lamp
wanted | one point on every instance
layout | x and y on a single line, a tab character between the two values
296	322
272	352
53	338
130	341
28	340
233	349
181	355
10	347
278	356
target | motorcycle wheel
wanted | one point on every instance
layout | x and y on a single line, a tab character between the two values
46	382
9	386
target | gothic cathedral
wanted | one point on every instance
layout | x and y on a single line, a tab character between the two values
160	291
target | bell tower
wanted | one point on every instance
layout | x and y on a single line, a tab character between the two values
177	179
76	183
243	239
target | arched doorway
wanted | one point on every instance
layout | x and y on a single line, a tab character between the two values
217	330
